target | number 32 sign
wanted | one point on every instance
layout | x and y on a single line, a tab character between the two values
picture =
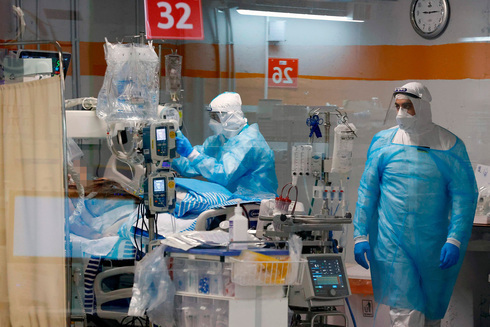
174	19
283	72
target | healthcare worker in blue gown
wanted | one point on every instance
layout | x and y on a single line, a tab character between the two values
236	156
416	203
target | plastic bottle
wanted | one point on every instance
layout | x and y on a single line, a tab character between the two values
238	229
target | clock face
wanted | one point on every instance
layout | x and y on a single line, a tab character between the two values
429	17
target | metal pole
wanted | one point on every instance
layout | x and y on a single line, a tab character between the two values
266	81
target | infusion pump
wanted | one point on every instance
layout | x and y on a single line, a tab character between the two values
324	280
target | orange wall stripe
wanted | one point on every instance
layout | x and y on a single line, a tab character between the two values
377	62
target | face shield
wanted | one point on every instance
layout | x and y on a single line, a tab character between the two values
393	108
226	116
420	97
214	116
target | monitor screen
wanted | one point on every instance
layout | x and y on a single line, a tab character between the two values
327	273
161	134
53	55
159	185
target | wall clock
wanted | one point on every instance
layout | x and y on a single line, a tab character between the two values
429	17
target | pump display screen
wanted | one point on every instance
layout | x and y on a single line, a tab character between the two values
328	276
159	185
161	134
328	280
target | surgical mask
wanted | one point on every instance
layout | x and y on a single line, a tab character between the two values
405	121
216	127
233	123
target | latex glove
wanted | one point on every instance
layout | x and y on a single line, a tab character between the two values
184	147
449	256
361	250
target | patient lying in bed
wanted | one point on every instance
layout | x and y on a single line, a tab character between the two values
108	214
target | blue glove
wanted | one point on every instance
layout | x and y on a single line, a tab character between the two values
449	256
361	250
184	147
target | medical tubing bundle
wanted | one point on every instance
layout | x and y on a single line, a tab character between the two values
282	203
140	215
131	156
88	103
81	194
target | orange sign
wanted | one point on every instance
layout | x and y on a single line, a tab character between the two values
174	19
283	72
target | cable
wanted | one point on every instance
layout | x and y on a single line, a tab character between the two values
351	313
244	211
174	224
134	231
312	200
156	226
98	164
21	21
131	321
295	200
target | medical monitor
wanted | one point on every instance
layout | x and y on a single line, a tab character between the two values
159	185
161	191
53	55
328	277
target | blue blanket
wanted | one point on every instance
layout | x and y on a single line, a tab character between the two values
200	197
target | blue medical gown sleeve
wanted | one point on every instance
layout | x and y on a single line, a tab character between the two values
244	164
183	165
463	193
225	170
368	192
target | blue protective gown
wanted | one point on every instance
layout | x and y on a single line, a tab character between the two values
244	164
411	199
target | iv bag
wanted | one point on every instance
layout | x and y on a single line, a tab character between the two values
130	91
173	71
342	148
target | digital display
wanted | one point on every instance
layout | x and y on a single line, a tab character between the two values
327	274
54	56
161	134
159	185
327	280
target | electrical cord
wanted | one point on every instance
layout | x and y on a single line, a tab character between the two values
156	226
132	321
98	164
336	250
351	313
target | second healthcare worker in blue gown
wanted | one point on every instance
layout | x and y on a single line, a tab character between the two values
237	156
416	202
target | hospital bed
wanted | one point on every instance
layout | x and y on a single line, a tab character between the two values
107	262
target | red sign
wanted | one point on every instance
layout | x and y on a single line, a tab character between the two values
283	72
174	19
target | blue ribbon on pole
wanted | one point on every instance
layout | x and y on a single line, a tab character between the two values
314	122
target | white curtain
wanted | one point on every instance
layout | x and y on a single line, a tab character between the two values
32	259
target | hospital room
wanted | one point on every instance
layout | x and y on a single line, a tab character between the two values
229	163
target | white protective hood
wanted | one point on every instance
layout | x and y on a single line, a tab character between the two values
229	107
423	132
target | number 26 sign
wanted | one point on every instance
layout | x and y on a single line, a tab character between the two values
174	19
283	72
